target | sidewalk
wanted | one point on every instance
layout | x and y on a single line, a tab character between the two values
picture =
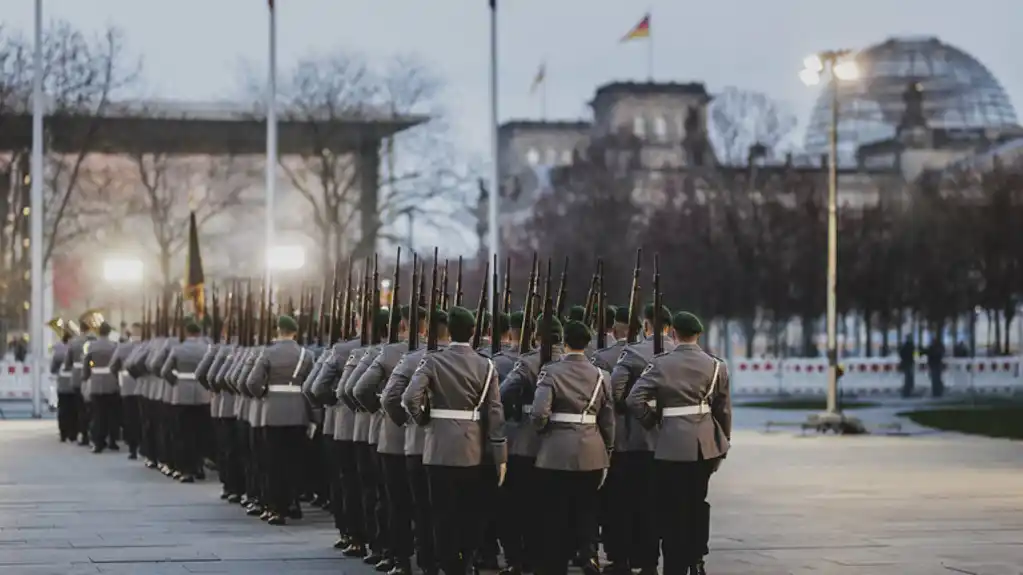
781	504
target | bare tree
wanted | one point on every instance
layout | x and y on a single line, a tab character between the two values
740	119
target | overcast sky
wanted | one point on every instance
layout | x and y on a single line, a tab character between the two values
194	49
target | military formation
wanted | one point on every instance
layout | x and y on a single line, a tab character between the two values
451	438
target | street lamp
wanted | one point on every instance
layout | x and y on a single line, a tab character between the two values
121	272
842	67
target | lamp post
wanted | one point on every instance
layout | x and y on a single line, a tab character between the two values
120	272
842	67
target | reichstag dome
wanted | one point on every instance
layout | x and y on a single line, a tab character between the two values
959	93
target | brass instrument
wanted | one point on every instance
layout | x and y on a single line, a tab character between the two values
93	318
60	326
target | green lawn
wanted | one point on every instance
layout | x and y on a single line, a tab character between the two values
998	421
805	404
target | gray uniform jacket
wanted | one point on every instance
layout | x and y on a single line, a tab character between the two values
307	390
154	364
606	359
573	411
694	405
277	376
97	379
505	361
415	435
367	391
630	365
240	377
517	392
201	372
73	359
134	367
363	418
342	418
454	394
233	355
57	368
129	385
179	371
344	421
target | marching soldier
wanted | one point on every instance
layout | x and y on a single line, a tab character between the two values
519	538
101	390
415	437
222	415
691	391
572	410
612	334
633	538
464	411
277	376
67	408
162	411
73	364
131	407
506	359
187	398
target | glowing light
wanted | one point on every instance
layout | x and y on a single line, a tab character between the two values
122	270
286	258
810	77
813	63
846	70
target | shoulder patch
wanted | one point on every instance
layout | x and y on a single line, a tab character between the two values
541	376
518	365
622	356
422	364
649	367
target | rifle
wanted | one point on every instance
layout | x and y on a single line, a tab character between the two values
364	305
344	323
591	298
215	314
179	316
506	306
329	322
658	337
413	306
394	320
601	307
431	312
374	304
444	287
495	312
458	284
634	322
481	307
547	321
559	307
526	334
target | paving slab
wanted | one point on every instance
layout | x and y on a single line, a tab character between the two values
782	504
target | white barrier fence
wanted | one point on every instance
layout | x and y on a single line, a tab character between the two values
873	376
16	384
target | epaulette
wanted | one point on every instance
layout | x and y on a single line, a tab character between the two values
715	357
664	353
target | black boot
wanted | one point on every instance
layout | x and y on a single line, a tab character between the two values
697	569
276	520
354	549
373	557
342	542
617	568
384	565
401	568
112	446
234	498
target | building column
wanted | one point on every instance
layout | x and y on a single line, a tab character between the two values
368	166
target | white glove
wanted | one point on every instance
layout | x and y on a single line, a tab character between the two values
502	470
311	430
603	478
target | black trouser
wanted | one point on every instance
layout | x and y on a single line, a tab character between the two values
632	529
103	418
149	449
570	522
369	486
315	466
131	416
187	430
168	454
206	438
399	506
455	498
284	472
488	549
83	416
517	526
332	458
419	489
244	438
263	462
116	419
908	373
67	415
683	514
232	477
351	490
937	385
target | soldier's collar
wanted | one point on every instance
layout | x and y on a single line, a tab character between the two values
460	344
573	355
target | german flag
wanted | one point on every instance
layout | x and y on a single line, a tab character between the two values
641	30
194	277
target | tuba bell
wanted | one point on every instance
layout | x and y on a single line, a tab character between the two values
60	326
93	318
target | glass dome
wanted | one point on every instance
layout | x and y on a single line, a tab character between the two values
958	93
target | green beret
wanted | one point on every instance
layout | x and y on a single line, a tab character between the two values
287	323
621	314
576	313
556	325
460	318
577	334
610	312
515	319
648	313
383	318
687	324
503	321
439	315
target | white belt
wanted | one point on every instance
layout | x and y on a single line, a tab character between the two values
100	370
686	410
286	388
64	374
77	365
527	409
583	418
456	414
184	375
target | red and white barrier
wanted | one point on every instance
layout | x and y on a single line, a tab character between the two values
16	382
872	376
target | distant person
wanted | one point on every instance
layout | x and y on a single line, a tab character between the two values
20	349
907	365
935	366
960	349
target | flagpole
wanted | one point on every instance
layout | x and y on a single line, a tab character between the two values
650	48
38	346
271	146
543	95
495	182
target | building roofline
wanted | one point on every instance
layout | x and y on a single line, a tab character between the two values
527	124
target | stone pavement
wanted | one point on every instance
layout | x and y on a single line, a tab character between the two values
921	505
